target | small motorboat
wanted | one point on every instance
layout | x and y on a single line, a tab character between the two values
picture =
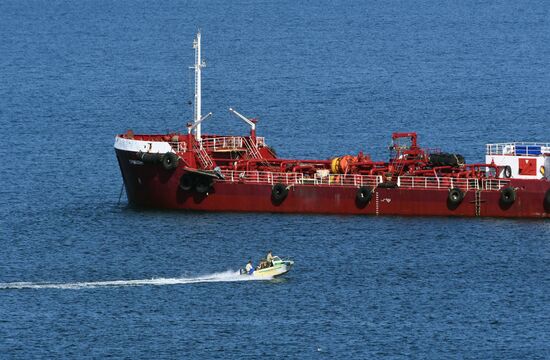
278	268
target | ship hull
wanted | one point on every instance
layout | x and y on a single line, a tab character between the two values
150	185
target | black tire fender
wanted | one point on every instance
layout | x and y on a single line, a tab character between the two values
507	172
203	184
150	158
455	196
507	196
363	196
547	201
187	181
279	192
170	161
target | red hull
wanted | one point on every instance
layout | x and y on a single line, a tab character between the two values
150	185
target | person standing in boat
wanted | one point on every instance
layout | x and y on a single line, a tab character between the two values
269	258
249	268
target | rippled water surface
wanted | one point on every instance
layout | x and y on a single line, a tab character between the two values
83	275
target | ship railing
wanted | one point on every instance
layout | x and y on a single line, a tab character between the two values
288	178
421	182
518	148
449	183
407	182
180	146
262	177
346	180
225	143
495	184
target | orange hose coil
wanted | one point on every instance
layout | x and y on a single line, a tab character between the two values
342	165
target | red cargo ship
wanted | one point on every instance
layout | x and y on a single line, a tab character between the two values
192	171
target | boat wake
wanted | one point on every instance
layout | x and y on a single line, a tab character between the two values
227	276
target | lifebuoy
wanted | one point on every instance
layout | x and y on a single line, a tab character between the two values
507	196
363	196
455	196
187	181
279	192
170	161
203	184
507	172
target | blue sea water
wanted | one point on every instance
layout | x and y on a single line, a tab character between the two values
83	275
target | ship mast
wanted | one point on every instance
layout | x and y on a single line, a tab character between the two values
199	64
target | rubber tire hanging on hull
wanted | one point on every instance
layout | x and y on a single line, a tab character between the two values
455	197
547	201
279	192
150	158
170	161
363	196
203	184
507	196
187	181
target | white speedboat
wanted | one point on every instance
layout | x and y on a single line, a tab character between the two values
278	268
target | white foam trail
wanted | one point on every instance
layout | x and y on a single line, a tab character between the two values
226	276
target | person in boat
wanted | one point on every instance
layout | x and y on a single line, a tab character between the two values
263	264
249	268
269	258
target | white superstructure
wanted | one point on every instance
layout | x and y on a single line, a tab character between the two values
520	160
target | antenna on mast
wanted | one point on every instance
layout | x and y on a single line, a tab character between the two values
199	64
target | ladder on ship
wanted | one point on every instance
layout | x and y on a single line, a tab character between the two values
252	148
204	159
477	202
